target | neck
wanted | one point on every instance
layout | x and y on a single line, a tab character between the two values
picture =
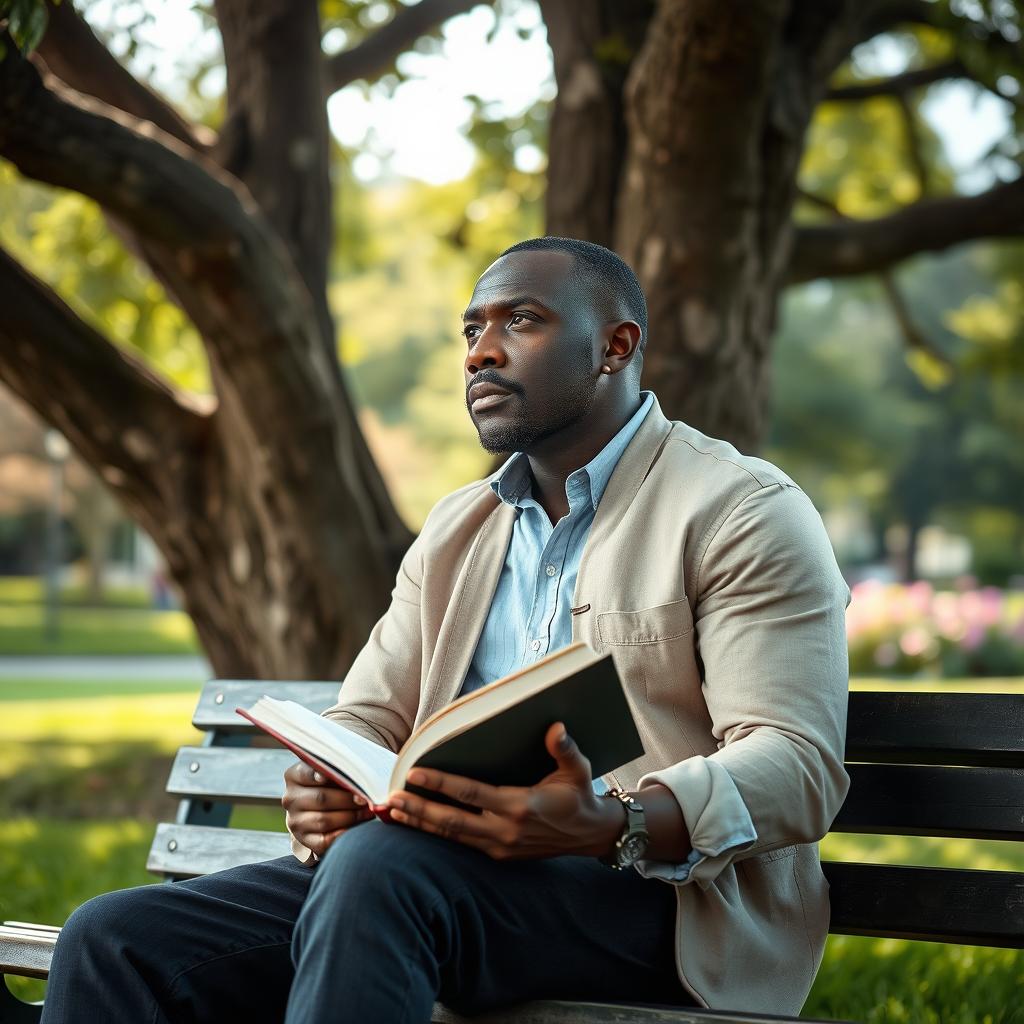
558	456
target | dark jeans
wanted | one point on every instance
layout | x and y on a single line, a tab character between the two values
389	921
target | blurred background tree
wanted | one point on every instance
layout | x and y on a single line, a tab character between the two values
182	312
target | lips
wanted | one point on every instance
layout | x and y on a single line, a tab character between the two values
485	395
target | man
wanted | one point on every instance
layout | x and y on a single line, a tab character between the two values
690	875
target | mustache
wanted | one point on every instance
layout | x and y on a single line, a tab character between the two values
492	377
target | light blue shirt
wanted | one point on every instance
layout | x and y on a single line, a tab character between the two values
530	614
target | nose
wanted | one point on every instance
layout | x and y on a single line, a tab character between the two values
485	350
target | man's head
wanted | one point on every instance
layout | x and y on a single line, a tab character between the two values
558	325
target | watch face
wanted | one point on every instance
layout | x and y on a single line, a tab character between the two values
632	849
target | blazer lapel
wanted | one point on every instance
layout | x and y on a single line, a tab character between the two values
629	473
467	611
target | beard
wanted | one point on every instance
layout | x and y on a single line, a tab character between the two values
558	409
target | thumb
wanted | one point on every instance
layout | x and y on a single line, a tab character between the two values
562	747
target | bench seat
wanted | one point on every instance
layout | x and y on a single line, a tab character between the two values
931	764
26	949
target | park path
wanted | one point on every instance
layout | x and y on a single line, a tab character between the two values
187	668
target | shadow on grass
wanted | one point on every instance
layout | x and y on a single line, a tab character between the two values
54	779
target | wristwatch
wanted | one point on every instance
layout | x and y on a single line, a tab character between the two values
632	843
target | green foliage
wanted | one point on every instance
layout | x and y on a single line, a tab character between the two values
64	239
26	22
860	156
856	421
399	296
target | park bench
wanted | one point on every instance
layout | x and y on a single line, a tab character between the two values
927	764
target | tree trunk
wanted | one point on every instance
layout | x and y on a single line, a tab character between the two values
715	109
271	515
94	515
593	45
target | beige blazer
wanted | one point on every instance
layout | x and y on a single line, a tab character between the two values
710	578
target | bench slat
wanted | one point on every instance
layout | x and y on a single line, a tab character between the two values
26	950
985	729
238	774
975	908
557	1012
914	800
220	697
184	851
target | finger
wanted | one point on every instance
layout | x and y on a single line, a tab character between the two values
322	798
562	747
442	819
303	774
467	791
312	822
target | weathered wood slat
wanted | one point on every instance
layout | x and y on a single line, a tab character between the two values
975	908
26	950
556	1012
184	851
220	697
985	729
237	774
915	800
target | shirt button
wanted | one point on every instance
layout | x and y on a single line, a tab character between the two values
535	646
551	570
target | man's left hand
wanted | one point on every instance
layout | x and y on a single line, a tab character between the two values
560	815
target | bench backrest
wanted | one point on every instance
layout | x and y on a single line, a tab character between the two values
921	764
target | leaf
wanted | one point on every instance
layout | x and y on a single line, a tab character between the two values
26	22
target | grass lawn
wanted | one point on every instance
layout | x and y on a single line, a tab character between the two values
124	625
96	631
82	771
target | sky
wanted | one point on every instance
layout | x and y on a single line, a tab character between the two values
419	131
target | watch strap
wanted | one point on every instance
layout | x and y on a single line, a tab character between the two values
632	842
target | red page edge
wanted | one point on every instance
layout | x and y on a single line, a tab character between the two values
380	810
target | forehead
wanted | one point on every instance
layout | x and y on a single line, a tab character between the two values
545	275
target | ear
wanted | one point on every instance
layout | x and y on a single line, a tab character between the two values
621	344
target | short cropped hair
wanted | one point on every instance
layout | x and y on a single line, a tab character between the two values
610	279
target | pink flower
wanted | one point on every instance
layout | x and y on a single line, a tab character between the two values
914	642
886	655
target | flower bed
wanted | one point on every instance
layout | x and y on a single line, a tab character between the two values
917	630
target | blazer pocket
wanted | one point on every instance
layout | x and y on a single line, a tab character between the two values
646	625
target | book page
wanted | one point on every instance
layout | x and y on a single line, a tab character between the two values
366	763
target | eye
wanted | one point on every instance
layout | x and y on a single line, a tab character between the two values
520	317
470	331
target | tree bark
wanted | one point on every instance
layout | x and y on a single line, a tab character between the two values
690	171
593	45
703	211
71	51
848	247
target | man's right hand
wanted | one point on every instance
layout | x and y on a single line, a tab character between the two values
316	810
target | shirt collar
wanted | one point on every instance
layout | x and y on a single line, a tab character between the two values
513	484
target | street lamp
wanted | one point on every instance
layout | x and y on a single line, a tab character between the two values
57	451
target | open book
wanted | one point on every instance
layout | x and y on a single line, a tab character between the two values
494	734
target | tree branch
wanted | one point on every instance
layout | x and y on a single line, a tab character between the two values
899	85
126	421
71	51
913	336
849	247
233	277
374	55
154	183
915	145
